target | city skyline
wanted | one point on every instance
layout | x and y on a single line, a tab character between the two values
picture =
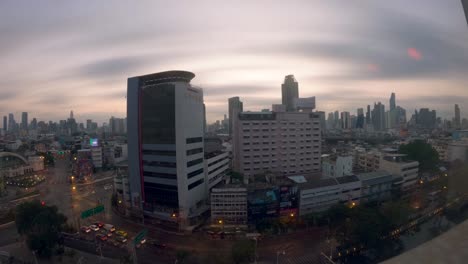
345	55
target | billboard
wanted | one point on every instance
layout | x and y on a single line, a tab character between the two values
93	142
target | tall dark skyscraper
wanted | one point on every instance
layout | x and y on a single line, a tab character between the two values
11	122
457	120
289	92
5	123
24	120
368	115
337	119
34	124
378	116
392	102
360	118
235	106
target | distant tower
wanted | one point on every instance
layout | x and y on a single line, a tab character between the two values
457	117
235	106
392	102
71	114
289	92
24	120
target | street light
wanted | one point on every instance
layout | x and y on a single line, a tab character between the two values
74	188
277	255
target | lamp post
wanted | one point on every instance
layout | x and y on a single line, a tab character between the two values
279	253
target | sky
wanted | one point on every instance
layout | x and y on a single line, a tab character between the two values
57	56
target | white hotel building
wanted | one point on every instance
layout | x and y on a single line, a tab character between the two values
277	141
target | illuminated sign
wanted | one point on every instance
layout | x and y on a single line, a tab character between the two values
93	142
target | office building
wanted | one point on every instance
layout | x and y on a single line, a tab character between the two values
165	147
24	120
425	118
286	142
360	118
11	122
229	205
235	107
337	120
368	115
345	120
5	123
117	126
216	166
33	124
378	117
289	92
392	102
456	120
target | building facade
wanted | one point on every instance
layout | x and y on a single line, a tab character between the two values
337	166
229	205
286	142
165	146
289	92
399	166
235	107
376	186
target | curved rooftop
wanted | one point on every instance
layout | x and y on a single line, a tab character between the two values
4	155
167	76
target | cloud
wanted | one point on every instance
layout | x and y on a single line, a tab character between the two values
414	54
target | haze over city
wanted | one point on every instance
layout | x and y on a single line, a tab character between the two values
58	57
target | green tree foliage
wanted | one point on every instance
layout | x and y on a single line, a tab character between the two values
41	225
243	251
422	152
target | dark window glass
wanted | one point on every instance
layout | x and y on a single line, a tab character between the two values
159	175
194	173
194	162
194	151
195	184
159	152
194	140
159	164
158	114
161	194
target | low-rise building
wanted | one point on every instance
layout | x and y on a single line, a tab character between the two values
229	205
399	166
350	189
337	166
368	160
319	195
216	166
376	186
96	156
457	150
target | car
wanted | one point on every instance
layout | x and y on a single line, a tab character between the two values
99	224
121	239
105	232
101	237
157	244
85	229
109	227
121	233
94	227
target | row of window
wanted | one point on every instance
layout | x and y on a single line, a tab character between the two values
217	161
194	162
194	140
159	175
194	151
216	168
164	164
194	173
158	152
195	184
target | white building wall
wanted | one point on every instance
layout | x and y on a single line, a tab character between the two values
318	199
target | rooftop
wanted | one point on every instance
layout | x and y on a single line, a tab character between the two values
318	183
373	175
347	179
167	76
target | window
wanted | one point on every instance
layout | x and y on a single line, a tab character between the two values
158	152
194	173
194	162
194	140
159	164
195	184
159	175
194	151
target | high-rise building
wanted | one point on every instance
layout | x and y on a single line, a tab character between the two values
34	124
89	124
71	114
281	142
24	120
116	126
289	92
378	117
368	115
323	123
11	122
165	146
392	102
360	118
457	120
345	120
426	118
330	121
337	119
235	107
5	123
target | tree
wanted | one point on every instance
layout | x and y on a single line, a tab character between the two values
243	251
422	152
182	256
41	225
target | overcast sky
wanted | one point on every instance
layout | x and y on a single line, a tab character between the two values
57	56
